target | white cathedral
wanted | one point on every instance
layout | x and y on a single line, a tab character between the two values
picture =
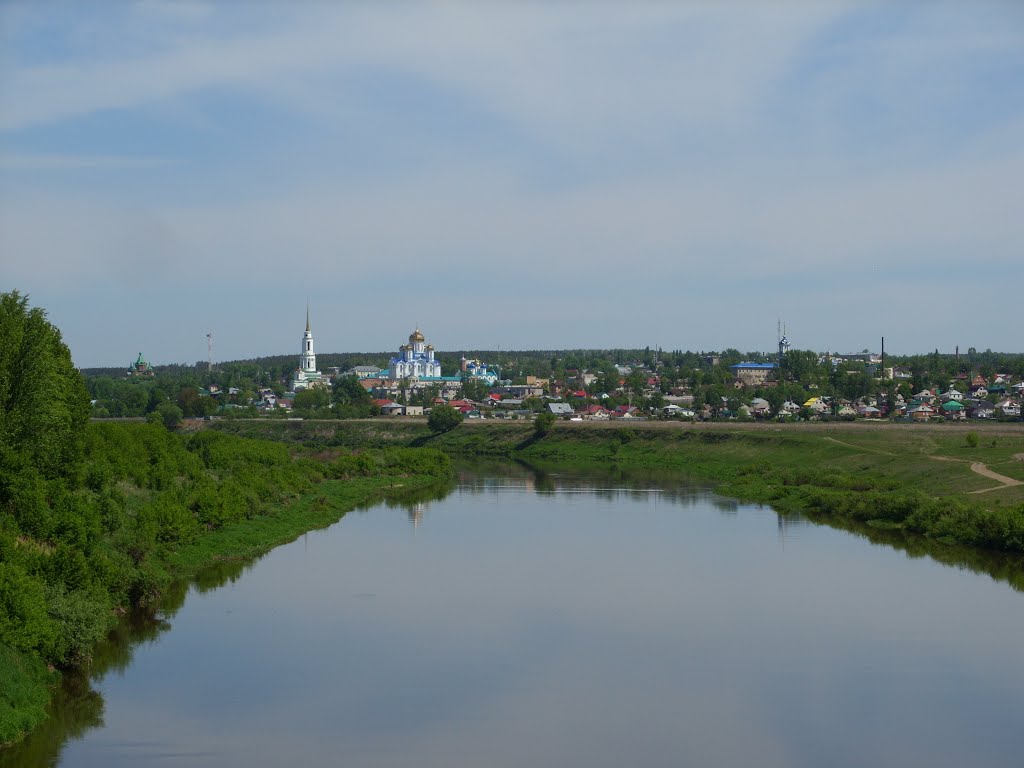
415	360
306	375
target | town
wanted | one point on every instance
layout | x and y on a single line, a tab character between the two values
580	385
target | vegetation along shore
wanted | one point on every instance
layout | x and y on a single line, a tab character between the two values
954	484
98	518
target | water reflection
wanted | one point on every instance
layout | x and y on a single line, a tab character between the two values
622	614
77	707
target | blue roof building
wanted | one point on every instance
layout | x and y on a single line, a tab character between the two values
751	374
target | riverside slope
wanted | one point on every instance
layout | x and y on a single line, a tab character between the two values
885	475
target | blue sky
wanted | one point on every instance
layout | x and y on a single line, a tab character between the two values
513	175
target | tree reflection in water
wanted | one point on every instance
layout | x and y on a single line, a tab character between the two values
78	707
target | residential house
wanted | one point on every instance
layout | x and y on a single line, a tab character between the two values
953	409
1009	408
626	412
594	413
560	409
816	405
983	410
922	412
760	407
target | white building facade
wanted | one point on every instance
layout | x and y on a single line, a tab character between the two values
306	375
415	360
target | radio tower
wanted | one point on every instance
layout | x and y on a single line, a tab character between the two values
209	351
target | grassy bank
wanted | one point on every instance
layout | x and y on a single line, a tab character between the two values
25	682
918	479
144	508
322	507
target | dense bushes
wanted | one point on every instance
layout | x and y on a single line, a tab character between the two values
393	461
944	519
23	684
72	547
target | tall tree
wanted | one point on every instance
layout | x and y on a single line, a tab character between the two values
44	404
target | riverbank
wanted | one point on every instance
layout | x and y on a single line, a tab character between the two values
918	479
152	508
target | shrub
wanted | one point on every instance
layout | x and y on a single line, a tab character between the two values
543	423
443	418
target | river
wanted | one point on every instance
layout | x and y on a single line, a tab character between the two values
557	620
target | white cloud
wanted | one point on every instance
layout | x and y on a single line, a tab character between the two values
550	69
706	144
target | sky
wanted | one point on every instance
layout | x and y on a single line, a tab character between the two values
513	175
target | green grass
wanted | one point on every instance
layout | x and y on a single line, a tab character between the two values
149	509
25	686
913	478
325	505
25	682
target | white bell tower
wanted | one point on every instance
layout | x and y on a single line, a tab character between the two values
307	361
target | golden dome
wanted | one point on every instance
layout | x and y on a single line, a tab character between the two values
415	336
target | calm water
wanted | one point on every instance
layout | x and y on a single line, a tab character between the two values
554	621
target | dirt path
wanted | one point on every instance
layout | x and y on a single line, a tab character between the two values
979	468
